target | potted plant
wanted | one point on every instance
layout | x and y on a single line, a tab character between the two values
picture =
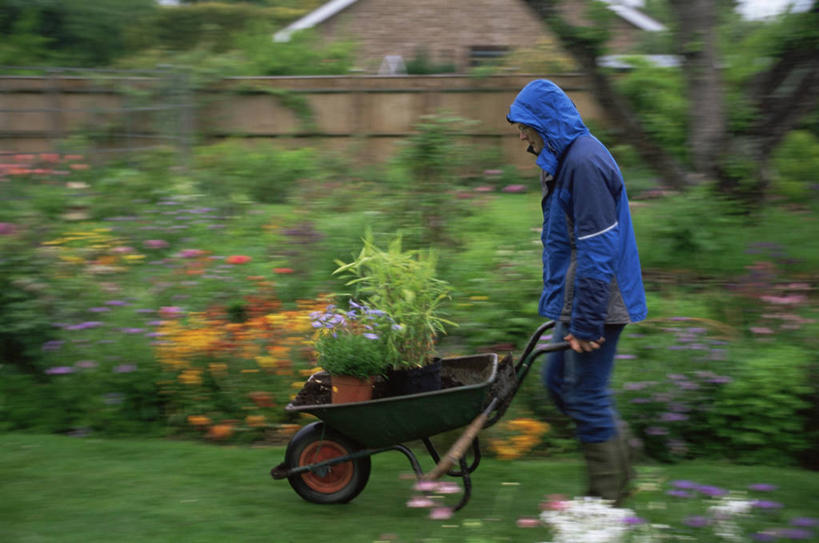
403	285
351	348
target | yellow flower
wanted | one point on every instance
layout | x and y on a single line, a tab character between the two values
191	377
218	368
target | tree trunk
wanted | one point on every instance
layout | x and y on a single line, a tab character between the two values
696	38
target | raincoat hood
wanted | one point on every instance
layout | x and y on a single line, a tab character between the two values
545	107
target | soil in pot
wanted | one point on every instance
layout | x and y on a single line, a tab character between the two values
415	380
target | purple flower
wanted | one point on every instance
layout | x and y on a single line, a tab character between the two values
625	356
679	493
116	302
59	370
766	504
684	484
52	345
696	521
99	309
656	431
763	487
84	325
804	522
794	533
633	521
712	491
132	330
370	335
86	364
124	368
673	417
763	536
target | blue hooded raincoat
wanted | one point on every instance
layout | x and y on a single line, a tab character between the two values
591	269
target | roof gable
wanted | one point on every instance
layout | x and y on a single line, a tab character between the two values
333	7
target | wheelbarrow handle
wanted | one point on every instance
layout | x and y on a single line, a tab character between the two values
458	449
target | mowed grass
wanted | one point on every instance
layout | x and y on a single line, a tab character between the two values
57	488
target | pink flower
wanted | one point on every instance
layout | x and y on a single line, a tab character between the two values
483	188
190	253
170	311
528	522
440	513
514	188
761	330
419	502
425	486
448	487
238	259
155	243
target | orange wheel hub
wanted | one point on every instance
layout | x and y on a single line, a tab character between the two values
334	477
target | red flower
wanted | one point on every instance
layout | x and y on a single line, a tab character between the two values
238	259
282	270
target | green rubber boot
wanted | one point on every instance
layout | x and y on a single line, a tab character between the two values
609	471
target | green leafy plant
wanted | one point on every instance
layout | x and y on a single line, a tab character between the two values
403	284
354	342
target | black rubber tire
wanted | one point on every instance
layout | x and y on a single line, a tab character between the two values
343	482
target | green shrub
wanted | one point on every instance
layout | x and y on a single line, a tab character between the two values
697	231
797	162
262	172
303	54
757	417
658	97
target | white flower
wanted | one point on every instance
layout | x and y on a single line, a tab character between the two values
590	520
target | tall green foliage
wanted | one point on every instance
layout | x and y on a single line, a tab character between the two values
73	33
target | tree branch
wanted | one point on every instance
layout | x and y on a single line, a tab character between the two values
586	49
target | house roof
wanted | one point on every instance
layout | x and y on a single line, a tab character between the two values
636	17
333	7
317	16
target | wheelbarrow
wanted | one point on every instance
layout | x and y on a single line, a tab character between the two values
328	461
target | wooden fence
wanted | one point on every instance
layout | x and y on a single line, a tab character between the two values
363	115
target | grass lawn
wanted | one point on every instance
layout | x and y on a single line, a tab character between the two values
65	489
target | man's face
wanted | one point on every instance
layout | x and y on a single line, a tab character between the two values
530	135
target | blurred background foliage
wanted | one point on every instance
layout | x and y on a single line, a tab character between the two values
142	297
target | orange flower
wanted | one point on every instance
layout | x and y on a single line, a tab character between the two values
262	398
198	420
255	421
238	259
283	270
220	431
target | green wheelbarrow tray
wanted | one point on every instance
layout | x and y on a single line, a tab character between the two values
387	421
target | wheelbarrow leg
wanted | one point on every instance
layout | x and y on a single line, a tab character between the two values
467	485
416	466
463	473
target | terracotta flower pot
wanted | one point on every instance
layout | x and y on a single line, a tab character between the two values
346	389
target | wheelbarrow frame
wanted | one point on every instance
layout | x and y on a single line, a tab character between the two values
491	407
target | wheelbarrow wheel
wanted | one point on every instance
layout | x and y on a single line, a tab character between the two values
338	483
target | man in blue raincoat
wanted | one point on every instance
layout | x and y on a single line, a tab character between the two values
592	284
